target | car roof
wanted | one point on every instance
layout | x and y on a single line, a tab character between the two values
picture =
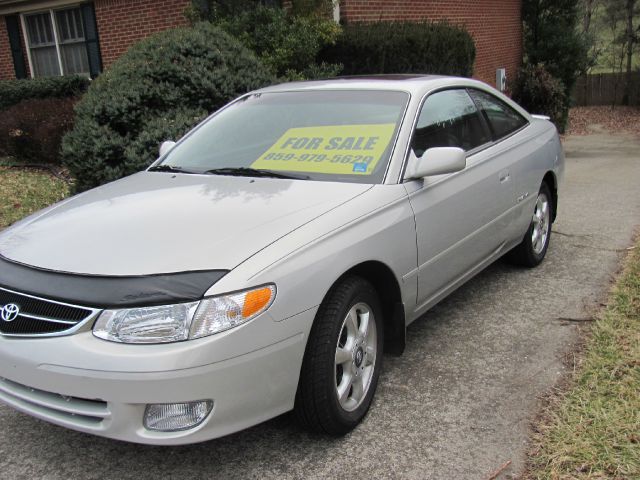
411	83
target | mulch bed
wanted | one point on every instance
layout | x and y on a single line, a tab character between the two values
616	119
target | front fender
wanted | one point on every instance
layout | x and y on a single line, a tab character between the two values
378	225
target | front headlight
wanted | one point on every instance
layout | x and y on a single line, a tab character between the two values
165	323
183	321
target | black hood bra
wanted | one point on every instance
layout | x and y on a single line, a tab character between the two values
100	291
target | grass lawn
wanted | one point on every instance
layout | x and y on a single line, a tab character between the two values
592	430
23	191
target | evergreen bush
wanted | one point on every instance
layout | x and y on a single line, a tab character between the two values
159	89
539	92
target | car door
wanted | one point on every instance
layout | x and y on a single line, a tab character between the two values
517	150
460	217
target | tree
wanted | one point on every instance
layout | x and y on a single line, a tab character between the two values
590	10
552	38
619	19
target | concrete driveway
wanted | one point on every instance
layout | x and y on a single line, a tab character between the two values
457	405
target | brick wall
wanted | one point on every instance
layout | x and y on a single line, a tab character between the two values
6	61
495	25
123	22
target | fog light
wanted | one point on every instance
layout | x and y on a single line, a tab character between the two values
173	417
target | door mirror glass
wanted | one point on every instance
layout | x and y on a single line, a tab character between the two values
166	146
436	161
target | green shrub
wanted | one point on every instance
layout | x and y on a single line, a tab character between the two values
539	92
15	91
551	36
159	89
403	47
288	44
32	130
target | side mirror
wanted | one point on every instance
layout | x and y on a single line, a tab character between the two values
436	161
166	146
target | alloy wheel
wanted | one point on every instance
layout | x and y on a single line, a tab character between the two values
355	357
541	224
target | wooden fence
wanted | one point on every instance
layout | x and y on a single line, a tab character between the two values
605	89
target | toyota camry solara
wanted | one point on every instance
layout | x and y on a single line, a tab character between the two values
267	260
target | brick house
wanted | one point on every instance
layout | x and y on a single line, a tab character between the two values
50	37
47	37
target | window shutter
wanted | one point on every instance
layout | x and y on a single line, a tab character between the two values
13	27
91	38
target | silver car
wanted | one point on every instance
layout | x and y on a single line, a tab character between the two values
267	260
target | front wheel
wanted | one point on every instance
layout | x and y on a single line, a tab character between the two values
531	251
343	359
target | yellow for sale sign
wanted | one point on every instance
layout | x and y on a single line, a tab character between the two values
339	149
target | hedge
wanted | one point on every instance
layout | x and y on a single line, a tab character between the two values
156	91
15	91
403	47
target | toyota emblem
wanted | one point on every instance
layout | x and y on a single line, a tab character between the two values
9	312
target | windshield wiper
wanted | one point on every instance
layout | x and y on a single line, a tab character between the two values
254	172
169	168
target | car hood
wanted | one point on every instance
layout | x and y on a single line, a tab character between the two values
151	223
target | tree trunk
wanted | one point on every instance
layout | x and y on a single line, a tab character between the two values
617	77
586	26
588	13
630	41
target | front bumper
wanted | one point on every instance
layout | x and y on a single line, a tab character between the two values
83	383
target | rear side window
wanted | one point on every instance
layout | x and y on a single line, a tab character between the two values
449	119
502	119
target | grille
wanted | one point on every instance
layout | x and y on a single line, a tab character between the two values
38	316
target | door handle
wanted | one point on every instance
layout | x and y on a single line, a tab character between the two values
504	176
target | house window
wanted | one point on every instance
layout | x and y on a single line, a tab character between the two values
56	42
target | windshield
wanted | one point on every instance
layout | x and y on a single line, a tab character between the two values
344	136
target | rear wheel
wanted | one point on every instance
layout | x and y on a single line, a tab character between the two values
343	359
531	251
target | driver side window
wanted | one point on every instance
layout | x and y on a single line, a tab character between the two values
449	119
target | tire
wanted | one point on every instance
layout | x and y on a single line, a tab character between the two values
533	248
341	358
